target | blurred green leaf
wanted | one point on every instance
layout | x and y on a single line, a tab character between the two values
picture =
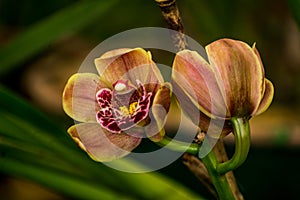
31	148
36	38
295	8
71	186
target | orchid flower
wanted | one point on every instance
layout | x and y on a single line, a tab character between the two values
229	86
117	107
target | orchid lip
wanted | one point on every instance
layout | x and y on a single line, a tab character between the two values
123	107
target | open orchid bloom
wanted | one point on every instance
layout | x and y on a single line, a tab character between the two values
230	84
118	106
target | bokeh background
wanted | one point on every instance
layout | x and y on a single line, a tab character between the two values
43	42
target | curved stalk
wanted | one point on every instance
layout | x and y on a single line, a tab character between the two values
241	131
219	180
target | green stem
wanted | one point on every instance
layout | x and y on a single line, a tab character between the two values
241	131
179	146
217	170
219	180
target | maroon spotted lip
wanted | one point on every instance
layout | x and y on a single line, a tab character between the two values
123	107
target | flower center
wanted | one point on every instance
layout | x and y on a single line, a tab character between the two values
123	107
130	110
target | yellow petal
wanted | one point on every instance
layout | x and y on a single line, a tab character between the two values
267	98
158	113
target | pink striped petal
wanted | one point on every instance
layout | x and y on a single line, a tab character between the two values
129	64
239	74
196	78
79	96
101	145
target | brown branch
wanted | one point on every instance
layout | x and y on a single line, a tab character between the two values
171	15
